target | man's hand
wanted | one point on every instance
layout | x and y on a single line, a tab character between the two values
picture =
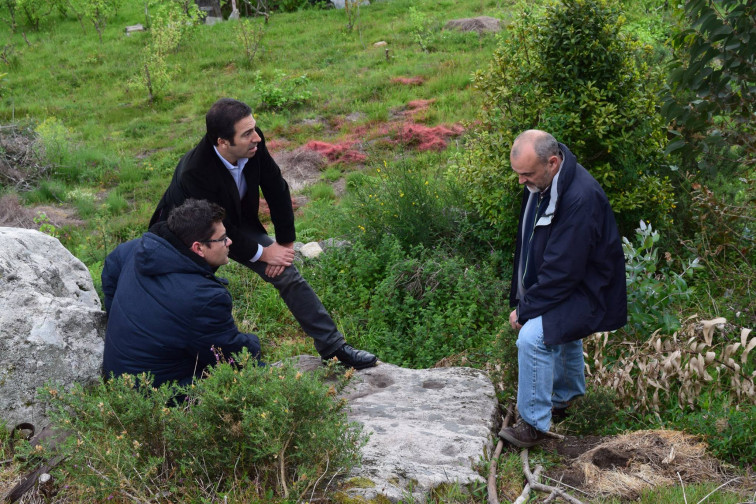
513	321
277	256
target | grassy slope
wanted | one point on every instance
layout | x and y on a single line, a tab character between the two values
129	146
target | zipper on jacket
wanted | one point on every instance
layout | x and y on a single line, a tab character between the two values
530	238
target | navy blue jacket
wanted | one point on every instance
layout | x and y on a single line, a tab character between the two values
579	286
166	309
200	174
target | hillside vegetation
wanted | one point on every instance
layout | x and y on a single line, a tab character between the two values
407	142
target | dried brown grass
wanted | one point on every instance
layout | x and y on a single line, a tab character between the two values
629	464
21	157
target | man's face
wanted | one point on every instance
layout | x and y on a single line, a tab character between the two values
244	144
531	171
216	252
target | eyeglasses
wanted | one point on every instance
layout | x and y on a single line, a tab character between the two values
223	239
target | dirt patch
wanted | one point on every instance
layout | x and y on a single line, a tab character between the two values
408	81
480	24
626	465
14	214
300	167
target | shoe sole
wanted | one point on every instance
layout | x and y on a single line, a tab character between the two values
370	364
516	442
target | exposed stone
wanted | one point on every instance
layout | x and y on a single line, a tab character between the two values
339	4
311	250
51	323
380	43
428	427
134	28
211	8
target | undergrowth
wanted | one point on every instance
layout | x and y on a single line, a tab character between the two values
243	431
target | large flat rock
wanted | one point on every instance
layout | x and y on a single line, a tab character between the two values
427	427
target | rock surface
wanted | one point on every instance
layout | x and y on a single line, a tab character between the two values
52	326
340	4
428	427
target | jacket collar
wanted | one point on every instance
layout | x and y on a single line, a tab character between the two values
559	184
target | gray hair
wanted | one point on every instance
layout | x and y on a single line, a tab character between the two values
544	144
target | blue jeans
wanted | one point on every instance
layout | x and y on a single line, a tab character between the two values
549	375
302	302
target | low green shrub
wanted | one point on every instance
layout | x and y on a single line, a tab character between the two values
592	412
267	431
408	200
729	429
413	308
433	305
321	191
653	289
280	92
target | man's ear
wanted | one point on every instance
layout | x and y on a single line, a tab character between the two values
196	247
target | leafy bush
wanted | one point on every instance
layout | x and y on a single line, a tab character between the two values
653	291
280	92
729	429
710	100
435	305
592	412
413	308
413	203
246	431
575	73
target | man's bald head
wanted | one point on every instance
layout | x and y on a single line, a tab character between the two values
543	143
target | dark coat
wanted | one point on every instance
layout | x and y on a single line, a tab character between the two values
200	174
166	309
580	286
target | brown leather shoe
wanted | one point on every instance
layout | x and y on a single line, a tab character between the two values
523	435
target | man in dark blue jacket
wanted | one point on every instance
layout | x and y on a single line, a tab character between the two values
231	166
568	280
168	313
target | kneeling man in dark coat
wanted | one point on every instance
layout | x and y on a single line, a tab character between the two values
167	311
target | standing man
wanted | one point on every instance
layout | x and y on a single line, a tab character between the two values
231	166
167	311
568	280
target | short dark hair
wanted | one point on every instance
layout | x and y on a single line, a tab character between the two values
195	220
223	116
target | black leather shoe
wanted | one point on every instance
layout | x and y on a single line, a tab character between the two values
350	357
523	435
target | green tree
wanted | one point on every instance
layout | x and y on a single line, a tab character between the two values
712	87
574	72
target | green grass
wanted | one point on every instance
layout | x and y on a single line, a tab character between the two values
114	152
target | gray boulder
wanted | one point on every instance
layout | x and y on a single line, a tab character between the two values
340	4
52	326
428	427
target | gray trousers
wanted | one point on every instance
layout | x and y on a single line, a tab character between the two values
303	303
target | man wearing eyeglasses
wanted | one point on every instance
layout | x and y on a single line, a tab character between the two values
231	166
168	314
